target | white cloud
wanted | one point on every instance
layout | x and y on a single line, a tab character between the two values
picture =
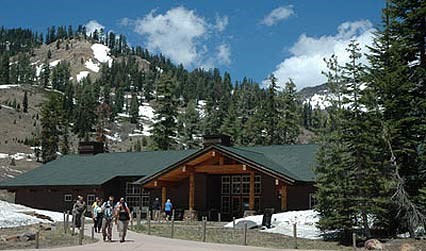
221	23
306	62
277	15
181	34
224	54
93	25
176	33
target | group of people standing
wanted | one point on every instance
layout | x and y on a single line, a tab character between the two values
104	214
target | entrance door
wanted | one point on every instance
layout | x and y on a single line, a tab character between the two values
236	206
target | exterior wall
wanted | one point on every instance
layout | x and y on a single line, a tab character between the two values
52	198
298	196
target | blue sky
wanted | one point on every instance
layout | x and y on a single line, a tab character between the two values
245	38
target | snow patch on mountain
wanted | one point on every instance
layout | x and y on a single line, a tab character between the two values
81	75
89	64
146	111
101	53
54	63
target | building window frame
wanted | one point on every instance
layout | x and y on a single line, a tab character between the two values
132	189
90	199
68	197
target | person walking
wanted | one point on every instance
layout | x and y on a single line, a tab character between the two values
108	216
78	210
93	212
156	209
122	218
168	206
98	214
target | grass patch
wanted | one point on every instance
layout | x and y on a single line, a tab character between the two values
216	233
48	239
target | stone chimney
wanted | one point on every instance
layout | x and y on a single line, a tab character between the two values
219	139
90	148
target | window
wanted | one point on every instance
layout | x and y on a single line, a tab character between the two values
146	201
133	201
257	184
90	199
257	203
225	204
236	184
245	184
226	184
68	197
312	201
132	189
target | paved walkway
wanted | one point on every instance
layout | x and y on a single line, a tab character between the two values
136	241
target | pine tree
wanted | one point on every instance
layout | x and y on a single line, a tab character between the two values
4	69
288	124
25	102
271	112
45	74
85	117
232	124
189	133
164	129
397	62
51	123
134	109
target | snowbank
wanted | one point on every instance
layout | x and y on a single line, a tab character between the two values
15	215
7	86
282	223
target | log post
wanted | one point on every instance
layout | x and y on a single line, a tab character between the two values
251	196
191	191
283	192
163	196
295	235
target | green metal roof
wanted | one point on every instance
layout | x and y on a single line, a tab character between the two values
72	170
293	161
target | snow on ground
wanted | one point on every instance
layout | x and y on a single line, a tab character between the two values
283	223
146	111
101	53
201	104
17	156
81	75
114	137
39	68
7	86
13	215
54	63
89	64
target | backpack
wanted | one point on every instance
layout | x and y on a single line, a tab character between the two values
108	211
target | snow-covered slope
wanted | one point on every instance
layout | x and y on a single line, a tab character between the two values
283	223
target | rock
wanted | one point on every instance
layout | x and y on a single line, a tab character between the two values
27	237
407	247
373	244
250	224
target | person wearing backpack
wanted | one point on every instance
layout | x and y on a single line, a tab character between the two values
107	210
122	218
